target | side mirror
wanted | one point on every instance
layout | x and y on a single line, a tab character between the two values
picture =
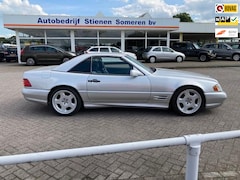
135	73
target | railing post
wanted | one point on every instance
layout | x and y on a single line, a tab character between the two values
193	152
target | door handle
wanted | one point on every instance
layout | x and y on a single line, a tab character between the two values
94	80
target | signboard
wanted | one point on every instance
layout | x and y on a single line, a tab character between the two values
226	32
226	8
76	22
226	20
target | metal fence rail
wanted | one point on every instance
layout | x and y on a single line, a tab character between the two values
193	143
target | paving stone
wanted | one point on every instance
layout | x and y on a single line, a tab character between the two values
30	127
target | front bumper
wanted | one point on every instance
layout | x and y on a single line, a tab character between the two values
215	99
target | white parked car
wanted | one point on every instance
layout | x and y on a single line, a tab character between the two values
110	49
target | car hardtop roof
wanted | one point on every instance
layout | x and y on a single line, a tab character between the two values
102	46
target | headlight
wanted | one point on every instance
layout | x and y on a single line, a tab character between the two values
217	88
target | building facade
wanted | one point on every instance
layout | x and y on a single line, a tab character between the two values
76	33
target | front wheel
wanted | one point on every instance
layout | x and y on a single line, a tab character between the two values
203	57
65	59
179	59
187	101
65	101
236	57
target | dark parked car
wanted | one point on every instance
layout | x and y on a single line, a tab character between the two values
224	51
44	54
235	45
8	53
191	49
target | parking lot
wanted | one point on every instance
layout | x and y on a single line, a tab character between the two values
28	127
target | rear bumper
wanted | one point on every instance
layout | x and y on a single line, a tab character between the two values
35	95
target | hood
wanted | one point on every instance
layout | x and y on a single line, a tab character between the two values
181	74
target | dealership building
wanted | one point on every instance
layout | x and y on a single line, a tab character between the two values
76	33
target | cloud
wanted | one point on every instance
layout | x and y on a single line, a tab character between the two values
20	7
199	10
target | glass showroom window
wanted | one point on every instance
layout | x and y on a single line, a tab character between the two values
110	38
61	43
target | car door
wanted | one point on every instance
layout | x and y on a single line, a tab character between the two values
157	52
168	54
53	55
224	50
112	84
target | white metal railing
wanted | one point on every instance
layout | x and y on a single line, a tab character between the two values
193	143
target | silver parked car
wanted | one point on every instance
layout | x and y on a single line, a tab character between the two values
160	53
105	80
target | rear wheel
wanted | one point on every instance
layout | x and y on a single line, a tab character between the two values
65	101
30	61
187	101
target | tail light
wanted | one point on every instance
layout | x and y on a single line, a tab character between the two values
22	51
26	83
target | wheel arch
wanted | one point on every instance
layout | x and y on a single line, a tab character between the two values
63	86
185	87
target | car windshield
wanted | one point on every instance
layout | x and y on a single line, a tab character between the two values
196	46
150	70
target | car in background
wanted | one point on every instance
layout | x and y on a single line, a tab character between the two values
118	80
162	53
193	50
44	54
109	49
235	45
223	51
8	52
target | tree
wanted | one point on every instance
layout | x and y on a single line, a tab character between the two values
184	17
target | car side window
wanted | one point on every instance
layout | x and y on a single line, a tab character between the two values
83	67
116	66
104	50
51	50
115	50
157	49
37	49
166	49
93	50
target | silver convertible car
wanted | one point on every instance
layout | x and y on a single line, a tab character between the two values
107	80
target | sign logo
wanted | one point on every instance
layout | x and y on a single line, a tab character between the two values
226	8
226	32
226	20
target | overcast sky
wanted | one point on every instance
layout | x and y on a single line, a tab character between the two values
199	10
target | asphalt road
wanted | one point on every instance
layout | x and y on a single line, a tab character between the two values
28	127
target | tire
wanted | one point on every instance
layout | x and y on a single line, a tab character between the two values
152	59
65	101
30	62
203	57
65	59
188	101
179	59
236	57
